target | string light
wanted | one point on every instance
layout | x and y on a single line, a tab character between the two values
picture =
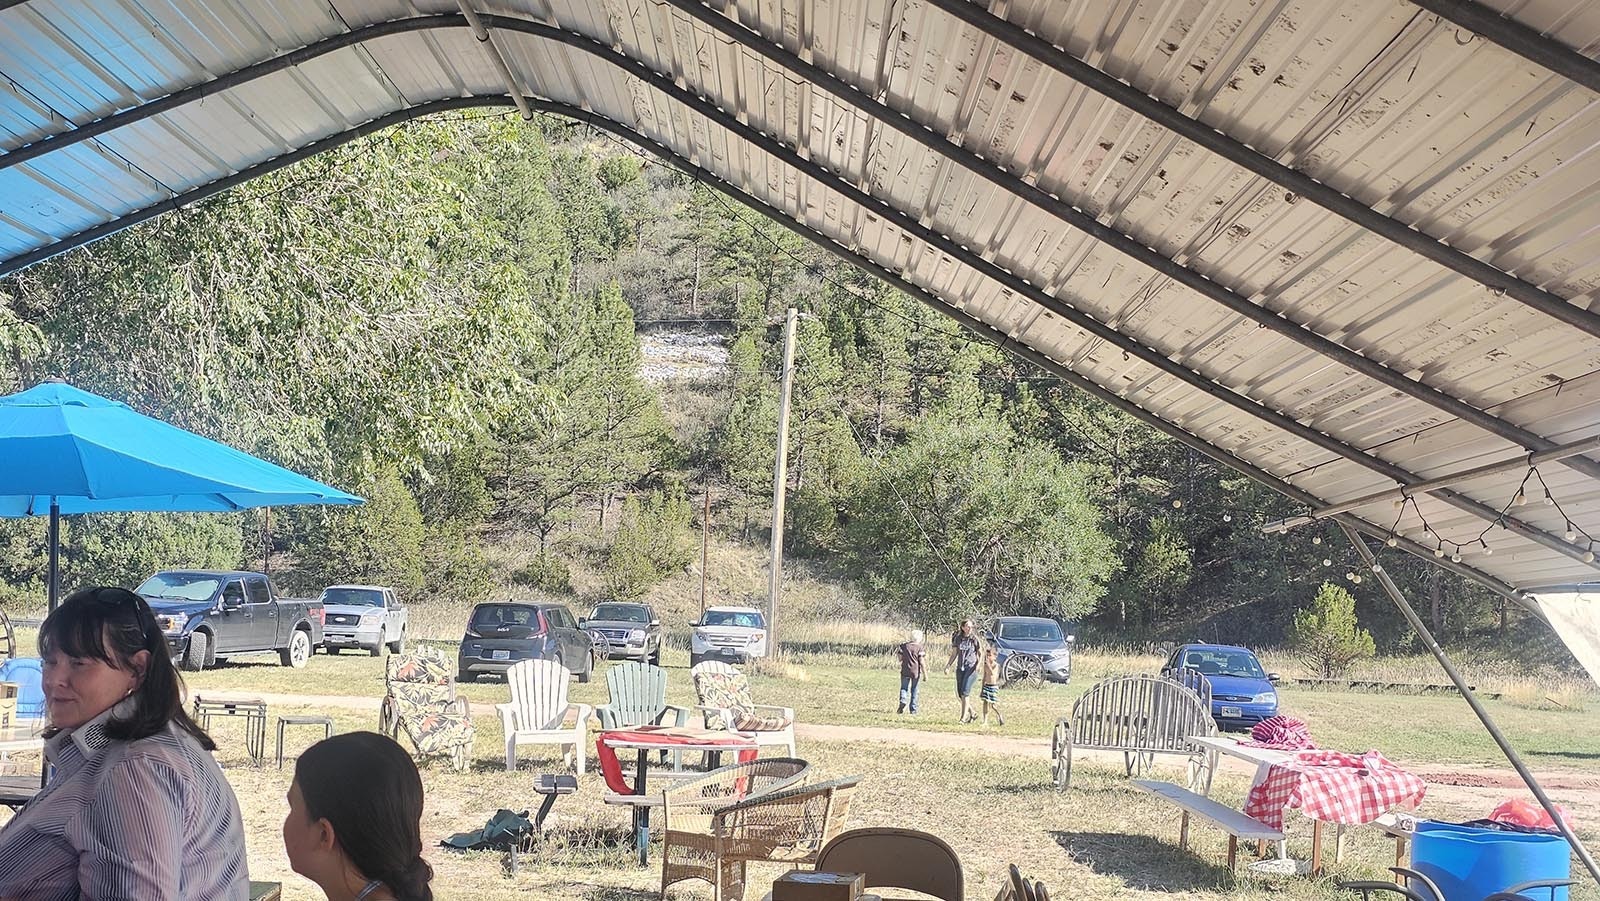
1326	562
1316	539
1227	517
1177	503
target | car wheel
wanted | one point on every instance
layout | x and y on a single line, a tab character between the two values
466	678
298	651
376	649
334	652
398	646
695	659
655	657
588	668
194	656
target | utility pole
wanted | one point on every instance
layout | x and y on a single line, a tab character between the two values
780	480
705	539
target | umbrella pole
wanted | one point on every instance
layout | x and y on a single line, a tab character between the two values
55	554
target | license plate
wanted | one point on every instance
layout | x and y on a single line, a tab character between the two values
1233	711
499	655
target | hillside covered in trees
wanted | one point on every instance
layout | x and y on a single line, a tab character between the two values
444	318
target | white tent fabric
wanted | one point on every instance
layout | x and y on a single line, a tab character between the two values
1575	616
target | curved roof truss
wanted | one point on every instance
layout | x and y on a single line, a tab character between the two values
1337	249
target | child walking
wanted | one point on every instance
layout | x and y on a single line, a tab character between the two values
991	686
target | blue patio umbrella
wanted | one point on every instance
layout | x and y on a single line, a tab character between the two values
63	450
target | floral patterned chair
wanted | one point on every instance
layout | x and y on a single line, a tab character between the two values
420	699
724	695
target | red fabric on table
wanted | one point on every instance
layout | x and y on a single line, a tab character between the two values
611	768
1334	787
1281	733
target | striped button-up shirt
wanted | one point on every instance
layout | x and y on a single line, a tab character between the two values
148	819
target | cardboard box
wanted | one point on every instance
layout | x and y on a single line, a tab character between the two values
807	885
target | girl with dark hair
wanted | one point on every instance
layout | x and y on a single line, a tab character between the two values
355	820
136	807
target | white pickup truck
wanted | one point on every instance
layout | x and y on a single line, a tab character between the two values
368	617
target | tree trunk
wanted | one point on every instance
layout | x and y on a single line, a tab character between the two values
1436	601
694	289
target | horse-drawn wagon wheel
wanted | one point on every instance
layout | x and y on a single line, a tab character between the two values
1061	754
1023	669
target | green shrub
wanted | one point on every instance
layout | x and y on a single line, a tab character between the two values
546	572
1326	635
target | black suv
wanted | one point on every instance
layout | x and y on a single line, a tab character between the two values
504	632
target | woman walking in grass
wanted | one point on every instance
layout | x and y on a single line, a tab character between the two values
965	647
991	686
912	664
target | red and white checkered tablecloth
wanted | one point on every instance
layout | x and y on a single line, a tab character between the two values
1334	787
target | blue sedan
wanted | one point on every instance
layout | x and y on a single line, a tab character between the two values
1242	693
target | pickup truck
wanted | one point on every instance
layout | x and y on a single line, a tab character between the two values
367	617
208	616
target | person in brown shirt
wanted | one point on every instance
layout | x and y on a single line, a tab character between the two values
912	665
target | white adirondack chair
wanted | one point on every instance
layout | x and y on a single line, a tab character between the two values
538	711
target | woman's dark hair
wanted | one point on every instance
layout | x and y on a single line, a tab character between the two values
367	787
111	625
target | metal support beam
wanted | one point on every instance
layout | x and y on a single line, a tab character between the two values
1329	198
513	88
1125	244
1565	450
1450	670
1519	39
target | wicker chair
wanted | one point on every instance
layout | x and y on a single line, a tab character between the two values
716	841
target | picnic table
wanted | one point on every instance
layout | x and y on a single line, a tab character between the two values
647	739
1333	787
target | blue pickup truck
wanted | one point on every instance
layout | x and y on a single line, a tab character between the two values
209	616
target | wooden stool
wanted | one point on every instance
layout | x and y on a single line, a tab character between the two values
254	712
309	720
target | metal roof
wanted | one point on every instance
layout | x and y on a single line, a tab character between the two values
1357	251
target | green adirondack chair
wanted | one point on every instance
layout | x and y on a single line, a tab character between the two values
638	698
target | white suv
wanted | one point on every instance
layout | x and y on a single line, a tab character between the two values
735	634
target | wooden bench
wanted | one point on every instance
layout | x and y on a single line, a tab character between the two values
1231	821
1141	716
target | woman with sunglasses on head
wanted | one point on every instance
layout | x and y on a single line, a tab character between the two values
136	806
355	820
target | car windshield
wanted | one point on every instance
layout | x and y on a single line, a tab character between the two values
1214	662
1040	630
733	618
179	586
505	615
352	597
621	613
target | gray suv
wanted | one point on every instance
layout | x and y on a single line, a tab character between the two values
502	633
625	632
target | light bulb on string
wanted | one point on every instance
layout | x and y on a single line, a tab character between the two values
1456	557
1377	567
1326	562
1548	500
1439	551
1316	539
1227	517
1350	576
1571	534
1487	550
1356	578
1520	499
1393	541
1588	556
1177	503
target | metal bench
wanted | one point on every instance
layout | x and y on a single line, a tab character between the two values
1141	716
1231	821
